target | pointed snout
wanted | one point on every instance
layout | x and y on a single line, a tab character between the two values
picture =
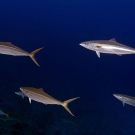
82	44
118	96
16	93
115	95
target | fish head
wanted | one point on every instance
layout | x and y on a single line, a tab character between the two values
120	97
91	45
23	89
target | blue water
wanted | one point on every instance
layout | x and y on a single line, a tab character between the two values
66	69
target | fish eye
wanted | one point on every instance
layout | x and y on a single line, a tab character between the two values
86	43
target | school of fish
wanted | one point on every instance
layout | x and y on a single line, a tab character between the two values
37	94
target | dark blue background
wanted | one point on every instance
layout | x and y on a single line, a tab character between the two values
67	69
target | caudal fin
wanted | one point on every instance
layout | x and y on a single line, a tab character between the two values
32	55
65	104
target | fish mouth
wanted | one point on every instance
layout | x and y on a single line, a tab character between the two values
117	96
82	44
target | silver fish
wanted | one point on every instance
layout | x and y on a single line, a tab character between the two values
9	49
108	46
20	93
125	99
40	96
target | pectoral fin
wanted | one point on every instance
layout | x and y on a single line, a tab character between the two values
119	54
30	100
98	54
123	103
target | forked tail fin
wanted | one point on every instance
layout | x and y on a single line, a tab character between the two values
32	55
65	104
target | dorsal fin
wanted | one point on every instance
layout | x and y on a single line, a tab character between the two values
41	89
7	44
113	39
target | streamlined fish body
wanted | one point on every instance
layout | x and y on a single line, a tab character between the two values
40	96
125	99
108	46
9	49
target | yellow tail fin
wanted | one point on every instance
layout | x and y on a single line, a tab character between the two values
32	55
65	104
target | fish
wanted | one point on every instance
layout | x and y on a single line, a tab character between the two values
125	99
107	46
40	96
20	93
2	113
9	49
10	119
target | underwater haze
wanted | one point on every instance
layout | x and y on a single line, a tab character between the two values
67	70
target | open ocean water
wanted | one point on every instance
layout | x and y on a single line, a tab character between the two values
67	70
